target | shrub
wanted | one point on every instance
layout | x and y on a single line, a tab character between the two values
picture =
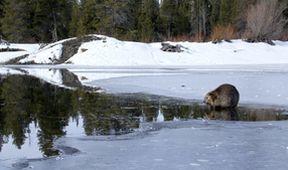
265	20
221	32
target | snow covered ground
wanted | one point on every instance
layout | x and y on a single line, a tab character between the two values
118	53
27	49
45	55
112	52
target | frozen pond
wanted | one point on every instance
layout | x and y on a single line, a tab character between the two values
256	84
151	118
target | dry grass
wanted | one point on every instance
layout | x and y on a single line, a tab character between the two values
285	36
221	32
178	38
198	38
181	38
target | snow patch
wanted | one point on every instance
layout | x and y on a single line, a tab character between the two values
27	49
45	55
30	48
6	56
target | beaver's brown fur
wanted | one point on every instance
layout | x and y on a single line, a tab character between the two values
224	96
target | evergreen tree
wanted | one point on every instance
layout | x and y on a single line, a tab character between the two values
76	27
40	28
148	19
200	18
168	12
51	19
109	17
1	15
1	9
119	15
215	12
183	18
135	10
228	11
15	18
36	20
90	17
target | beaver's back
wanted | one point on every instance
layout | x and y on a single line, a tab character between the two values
226	96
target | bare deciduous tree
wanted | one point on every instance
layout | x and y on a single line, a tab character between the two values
265	20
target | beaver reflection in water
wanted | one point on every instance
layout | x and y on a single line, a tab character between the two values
223	97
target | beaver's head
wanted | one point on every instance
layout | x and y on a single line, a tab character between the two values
210	98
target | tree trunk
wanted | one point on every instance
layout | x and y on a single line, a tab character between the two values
54	30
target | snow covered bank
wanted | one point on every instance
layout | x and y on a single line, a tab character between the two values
120	53
46	55
107	51
30	48
26	49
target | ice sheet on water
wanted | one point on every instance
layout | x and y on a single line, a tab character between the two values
174	145
255	87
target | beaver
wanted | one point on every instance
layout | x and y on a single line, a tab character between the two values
224	96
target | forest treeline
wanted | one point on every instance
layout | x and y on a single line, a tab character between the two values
144	20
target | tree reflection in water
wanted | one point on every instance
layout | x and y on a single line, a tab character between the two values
27	100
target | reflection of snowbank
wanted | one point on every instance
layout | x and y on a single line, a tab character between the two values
8	71
52	76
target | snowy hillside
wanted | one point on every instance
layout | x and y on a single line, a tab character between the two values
107	51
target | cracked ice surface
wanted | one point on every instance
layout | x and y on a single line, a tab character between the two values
181	145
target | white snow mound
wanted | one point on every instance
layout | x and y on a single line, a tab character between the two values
113	52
